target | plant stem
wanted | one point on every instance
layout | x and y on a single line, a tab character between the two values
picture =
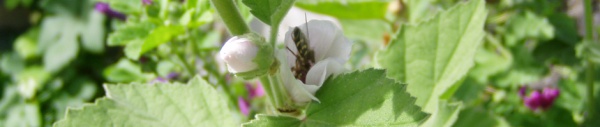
231	16
589	36
186	65
273	36
268	88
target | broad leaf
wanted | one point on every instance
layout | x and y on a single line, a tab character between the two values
434	55
269	11
360	98
347	9
150	105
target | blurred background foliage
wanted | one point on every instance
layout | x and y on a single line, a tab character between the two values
56	54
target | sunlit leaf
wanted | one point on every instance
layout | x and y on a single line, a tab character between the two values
432	56
194	104
360	98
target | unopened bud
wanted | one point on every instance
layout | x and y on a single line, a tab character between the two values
247	56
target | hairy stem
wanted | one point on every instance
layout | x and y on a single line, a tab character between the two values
231	16
589	36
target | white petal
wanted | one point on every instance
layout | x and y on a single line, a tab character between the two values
321	71
296	89
238	54
340	48
327	40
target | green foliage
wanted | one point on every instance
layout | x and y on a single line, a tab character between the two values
526	26
360	98
348	9
12	4
194	104
270	12
434	55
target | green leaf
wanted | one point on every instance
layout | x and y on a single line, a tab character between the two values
418	10
126	6
369	30
62	52
158	36
270	12
130	32
479	117
434	55
124	71
347	9
360	98
92	32
527	26
31	80
161	35
492	58
149	105
26	45
24	115
445	116
11	63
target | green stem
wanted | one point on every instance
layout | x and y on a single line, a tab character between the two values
269	89
273	36
231	16
589	36
186	65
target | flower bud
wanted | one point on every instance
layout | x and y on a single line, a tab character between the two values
247	56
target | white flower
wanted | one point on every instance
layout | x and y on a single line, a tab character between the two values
331	51
247	56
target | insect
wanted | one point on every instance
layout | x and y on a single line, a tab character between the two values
305	58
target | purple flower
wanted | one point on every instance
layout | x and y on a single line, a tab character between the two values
172	75
255	91
147	2
522	91
105	9
244	106
540	98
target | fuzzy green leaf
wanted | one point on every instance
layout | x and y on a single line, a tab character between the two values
269	11
360	98
154	105
433	55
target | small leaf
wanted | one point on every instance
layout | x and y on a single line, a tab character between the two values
26	45
149	105
126	6
62	52
92	32
135	48
479	117
269	11
360	98
527	26
159	36
123	71
130	32
347	9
